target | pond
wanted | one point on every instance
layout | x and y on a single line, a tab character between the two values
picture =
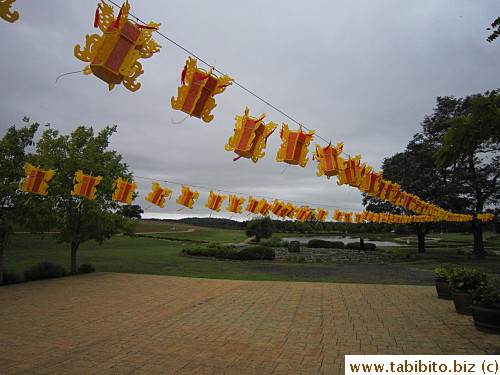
344	239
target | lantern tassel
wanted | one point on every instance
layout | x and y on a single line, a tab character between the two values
96	19
25	203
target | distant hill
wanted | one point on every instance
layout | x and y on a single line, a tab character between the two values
212	222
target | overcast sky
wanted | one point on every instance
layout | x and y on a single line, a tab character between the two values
361	72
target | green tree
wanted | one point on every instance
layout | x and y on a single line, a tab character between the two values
12	158
496	33
132	211
78	219
472	145
260	228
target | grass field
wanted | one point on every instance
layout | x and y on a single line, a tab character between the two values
145	255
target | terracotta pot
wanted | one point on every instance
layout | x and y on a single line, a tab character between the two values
462	300
486	317
443	289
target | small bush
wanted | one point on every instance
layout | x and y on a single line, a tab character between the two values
86	268
357	246
274	242
256	253
10	277
44	270
325	244
396	255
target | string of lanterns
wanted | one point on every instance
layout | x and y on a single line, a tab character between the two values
113	57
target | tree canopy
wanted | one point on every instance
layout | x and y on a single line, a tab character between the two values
78	219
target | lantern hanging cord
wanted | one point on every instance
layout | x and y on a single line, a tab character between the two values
239	193
221	73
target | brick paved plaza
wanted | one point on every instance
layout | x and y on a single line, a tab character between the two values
107	323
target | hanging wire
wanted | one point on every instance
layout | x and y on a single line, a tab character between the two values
240	193
221	73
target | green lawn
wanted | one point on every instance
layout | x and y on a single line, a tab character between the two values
161	257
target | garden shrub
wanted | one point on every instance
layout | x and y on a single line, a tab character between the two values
274	242
357	246
396	255
86	268
325	244
256	253
44	270
10	277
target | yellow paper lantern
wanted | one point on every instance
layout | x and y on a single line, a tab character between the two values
329	161
196	94
36	179
85	185
214	201
253	205
235	204
321	214
250	137
293	149
187	197
124	190
114	56
158	195
263	207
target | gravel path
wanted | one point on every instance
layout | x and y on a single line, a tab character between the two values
379	273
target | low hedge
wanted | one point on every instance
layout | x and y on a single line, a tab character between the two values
325	244
44	270
247	253
357	246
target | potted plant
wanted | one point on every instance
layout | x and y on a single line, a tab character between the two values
463	280
442	280
486	307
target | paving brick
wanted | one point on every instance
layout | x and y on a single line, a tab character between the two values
106	323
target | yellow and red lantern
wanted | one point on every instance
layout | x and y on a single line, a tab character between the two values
337	215
295	145
263	207
277	207
196	94
250	136
214	201
85	185
6	13
253	205
288	210
352	172
235	204
114	56
158	195
124	190
321	214
485	217
370	182
187	197
36	179
358	218
347	217
304	213
329	161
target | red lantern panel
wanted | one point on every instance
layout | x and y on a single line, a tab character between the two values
36	179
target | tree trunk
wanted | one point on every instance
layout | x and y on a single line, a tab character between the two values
74	249
477	231
421	232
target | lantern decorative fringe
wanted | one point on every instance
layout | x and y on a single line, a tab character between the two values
235	204
187	197
329	161
6	13
114	56
253	205
85	185
294	150
158	195
36	179
250	137
214	201
124	190
195	95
